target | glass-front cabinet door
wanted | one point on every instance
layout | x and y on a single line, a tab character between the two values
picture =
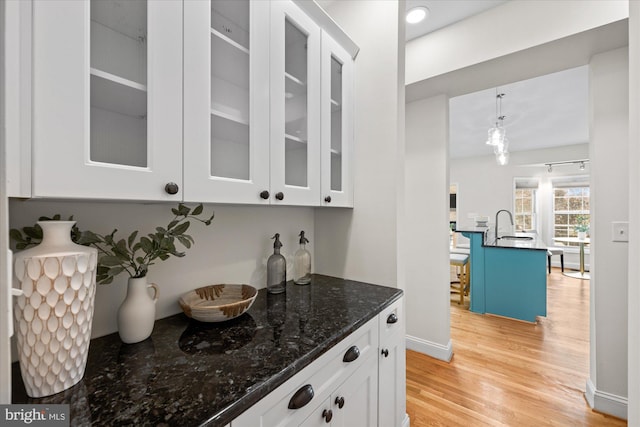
107	99
295	106
226	101
337	119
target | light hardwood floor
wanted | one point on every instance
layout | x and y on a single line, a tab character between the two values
510	373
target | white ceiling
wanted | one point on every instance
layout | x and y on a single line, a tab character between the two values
445	12
543	112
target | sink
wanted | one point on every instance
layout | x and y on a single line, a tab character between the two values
515	238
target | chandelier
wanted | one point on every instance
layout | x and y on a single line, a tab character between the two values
497	134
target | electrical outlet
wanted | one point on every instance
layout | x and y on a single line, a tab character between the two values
620	231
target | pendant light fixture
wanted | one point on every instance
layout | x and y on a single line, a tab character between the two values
497	134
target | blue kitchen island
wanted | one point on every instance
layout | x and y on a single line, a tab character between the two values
508	276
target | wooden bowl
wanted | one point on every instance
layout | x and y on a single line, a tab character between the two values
218	303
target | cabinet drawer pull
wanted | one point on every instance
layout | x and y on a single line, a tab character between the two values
301	397
327	414
171	188
352	354
279	195
385	352
264	194
392	318
340	402
327	199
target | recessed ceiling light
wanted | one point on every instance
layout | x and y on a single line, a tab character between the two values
417	14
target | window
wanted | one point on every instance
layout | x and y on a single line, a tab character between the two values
570	205
526	190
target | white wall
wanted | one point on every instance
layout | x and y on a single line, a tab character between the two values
511	27
492	69
485	187
634	216
233	249
427	217
609	123
361	244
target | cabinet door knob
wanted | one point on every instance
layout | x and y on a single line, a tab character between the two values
171	188
301	397
327	199
279	195
264	194
352	354
340	401
327	414
392	318
385	352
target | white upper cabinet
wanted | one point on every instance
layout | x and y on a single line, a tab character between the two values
337	124
107	99
218	101
226	101
295	106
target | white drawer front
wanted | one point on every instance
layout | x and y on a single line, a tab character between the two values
323	375
392	320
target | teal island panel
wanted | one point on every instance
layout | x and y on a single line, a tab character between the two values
515	283
510	282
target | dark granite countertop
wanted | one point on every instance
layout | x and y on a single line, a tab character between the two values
190	373
490	242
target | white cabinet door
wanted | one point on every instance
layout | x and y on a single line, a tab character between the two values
107	99
319	416
355	402
392	366
295	106
226	101
337	124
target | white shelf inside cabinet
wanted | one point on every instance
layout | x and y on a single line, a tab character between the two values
112	93
295	139
294	86
231	42
335	106
234	118
234	69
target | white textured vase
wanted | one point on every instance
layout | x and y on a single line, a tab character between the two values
582	235
137	314
54	313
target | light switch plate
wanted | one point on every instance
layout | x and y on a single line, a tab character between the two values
620	231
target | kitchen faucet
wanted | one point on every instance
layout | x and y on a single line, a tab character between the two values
497	214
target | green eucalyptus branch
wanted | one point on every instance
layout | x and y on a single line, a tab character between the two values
133	255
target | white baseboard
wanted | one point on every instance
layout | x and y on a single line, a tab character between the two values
606	402
406	422
429	348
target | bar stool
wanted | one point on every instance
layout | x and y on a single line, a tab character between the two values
461	261
555	251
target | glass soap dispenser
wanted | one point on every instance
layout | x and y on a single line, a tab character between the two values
276	269
302	263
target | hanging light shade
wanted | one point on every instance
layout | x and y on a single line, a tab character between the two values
502	158
501	147
496	135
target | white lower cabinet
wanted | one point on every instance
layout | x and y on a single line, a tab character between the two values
392	366
345	386
353	403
